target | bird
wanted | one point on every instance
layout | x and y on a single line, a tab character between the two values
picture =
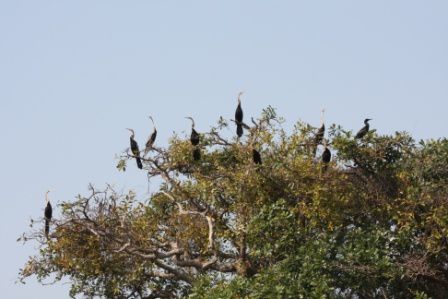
256	157
151	138
194	137
239	117
197	154
320	133
135	150
361	133
326	155
48	213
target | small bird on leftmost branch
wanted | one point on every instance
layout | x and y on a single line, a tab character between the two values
48	213
135	150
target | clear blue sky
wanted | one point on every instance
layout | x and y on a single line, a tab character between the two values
75	74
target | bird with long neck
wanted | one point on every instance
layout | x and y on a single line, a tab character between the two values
364	130
239	117
194	137
320	132
48	213
135	150
151	138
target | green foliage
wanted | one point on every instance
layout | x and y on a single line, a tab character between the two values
373	224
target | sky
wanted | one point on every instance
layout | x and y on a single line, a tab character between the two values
75	74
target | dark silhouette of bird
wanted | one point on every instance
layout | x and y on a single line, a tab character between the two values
151	138
239	117
361	133
194	137
320	133
256	157
135	150
197	154
48	213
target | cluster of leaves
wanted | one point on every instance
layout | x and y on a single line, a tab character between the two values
373	224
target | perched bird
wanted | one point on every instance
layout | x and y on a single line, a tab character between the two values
320	133
151	138
239	117
48	213
256	157
197	153
194	137
326	155
135	150
361	133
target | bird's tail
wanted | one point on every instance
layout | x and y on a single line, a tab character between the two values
139	162
239	130
47	226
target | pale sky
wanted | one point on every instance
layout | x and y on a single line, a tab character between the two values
75	74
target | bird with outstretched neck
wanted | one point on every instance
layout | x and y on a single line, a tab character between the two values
239	117
151	138
135	150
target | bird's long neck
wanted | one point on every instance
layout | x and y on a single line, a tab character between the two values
47	200
322	117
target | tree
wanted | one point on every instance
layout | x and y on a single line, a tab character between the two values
374	223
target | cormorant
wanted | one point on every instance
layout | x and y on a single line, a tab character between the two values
197	154
256	157
194	137
239	117
361	133
135	150
48	214
151	138
320	133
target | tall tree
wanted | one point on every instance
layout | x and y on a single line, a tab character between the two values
373	225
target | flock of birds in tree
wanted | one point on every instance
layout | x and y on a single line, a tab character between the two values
240	125
194	139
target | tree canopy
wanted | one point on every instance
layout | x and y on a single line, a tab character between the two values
371	224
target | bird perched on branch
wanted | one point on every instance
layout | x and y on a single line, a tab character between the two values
239	117
151	138
194	137
135	150
48	213
326	155
320	133
361	133
256	157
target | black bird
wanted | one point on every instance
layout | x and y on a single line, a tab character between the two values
151	138
135	150
194	137
48	214
320	133
239	117
256	157
197	154
361	133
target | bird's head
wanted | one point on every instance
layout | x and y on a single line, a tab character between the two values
47	200
239	97
192	120
132	132
367	120
152	120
